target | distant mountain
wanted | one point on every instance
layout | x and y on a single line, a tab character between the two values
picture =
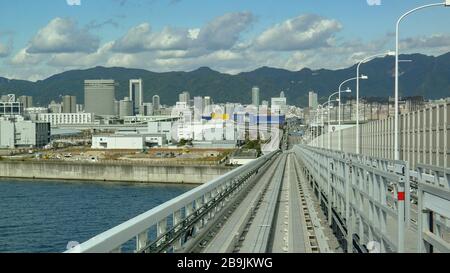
427	76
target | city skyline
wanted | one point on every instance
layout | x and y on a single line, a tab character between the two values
231	37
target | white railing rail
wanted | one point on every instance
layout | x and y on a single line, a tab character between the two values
176	209
366	194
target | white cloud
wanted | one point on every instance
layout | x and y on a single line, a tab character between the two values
81	59
299	33
224	31
193	33
73	2
63	36
374	2
141	38
221	33
25	58
304	41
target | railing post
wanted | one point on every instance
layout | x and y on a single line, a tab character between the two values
407	196
199	224
400	170
161	228
348	181
176	221
141	241
330	167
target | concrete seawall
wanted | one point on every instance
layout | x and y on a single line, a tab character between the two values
110	172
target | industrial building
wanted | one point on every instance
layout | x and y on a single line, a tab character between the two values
17	132
66	118
123	141
161	127
99	96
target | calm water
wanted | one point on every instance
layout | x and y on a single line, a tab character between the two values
43	216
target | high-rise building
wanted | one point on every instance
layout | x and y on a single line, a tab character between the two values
313	103
99	96
156	103
207	104
146	109
198	108
125	107
27	101
136	94
55	107
255	96
185	97
278	105
69	104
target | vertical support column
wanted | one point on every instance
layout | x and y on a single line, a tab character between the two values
199	224
206	199
407	196
348	182
177	219
161	228
141	241
446	137
330	167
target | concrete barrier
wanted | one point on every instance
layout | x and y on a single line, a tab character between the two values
110	172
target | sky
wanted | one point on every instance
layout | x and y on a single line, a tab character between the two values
42	38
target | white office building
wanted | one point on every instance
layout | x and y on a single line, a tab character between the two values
17	132
66	118
255	96
313	103
278	105
161	127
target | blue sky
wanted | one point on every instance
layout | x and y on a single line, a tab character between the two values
41	38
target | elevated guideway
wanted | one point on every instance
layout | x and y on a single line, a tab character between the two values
306	199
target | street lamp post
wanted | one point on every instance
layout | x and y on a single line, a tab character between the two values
364	77
339	100
390	53
446	3
327	103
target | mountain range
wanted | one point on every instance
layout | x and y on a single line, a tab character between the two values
421	75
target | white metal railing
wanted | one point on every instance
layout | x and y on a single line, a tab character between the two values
367	195
434	209
170	215
423	137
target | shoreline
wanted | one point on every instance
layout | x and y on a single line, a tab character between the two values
111	173
85	181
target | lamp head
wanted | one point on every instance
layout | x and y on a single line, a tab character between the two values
392	53
348	90
363	77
